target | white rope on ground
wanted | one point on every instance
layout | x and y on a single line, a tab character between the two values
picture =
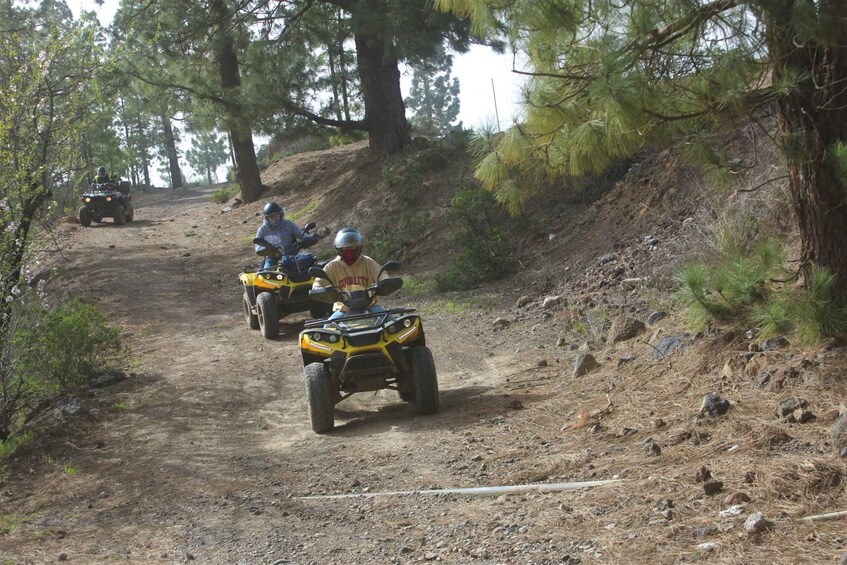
826	517
508	489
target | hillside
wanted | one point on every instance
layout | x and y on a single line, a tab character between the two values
204	452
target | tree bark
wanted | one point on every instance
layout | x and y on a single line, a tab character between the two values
239	125
170	149
812	118
385	112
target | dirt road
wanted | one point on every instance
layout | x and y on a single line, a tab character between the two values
200	454
205	453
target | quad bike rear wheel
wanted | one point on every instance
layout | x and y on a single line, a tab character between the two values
319	395
119	215
268	315
84	217
426	381
249	317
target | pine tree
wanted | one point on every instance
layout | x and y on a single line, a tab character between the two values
610	78
434	95
207	153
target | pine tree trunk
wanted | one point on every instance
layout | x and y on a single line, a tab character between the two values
813	117
385	112
239	126
170	149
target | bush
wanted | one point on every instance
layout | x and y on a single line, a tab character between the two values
484	246
51	354
225	193
744	289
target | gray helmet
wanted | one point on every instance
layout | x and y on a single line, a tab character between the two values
348	237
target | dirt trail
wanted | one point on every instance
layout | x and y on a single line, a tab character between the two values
202	447
204	453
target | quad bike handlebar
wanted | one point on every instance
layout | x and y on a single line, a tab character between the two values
269	250
355	300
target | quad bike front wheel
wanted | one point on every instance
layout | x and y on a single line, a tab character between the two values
268	316
319	395
130	212
426	382
119	215
249	317
84	217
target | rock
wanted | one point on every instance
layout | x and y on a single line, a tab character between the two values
707	547
756	523
652	449
703	474
583	364
789	405
843	560
552	302
732	511
624	329
750	477
763	379
713	405
624	359
561	342
701	532
651	241
736	498
501	323
667	345
63	557
227	209
774	343
656	316
839	430
523	301
430	556
607	258
659	423
800	417
711	488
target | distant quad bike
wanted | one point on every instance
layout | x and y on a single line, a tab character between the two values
107	200
365	351
273	293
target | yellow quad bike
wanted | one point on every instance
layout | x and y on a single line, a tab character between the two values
272	293
365	351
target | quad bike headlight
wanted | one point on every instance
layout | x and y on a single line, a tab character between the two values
108	199
317	336
87	199
393	328
279	277
407	322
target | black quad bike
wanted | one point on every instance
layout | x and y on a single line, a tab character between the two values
107	200
365	351
272	293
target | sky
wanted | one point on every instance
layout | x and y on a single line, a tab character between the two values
488	87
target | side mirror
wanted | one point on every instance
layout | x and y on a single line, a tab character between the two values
309	226
319	273
389	266
324	295
387	286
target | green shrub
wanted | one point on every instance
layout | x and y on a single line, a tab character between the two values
744	289
225	193
49	354
484	246
73	341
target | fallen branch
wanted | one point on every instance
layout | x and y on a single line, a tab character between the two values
826	517
508	489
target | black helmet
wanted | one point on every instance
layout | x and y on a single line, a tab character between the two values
270	209
101	171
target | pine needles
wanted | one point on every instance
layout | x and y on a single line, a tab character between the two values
744	288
